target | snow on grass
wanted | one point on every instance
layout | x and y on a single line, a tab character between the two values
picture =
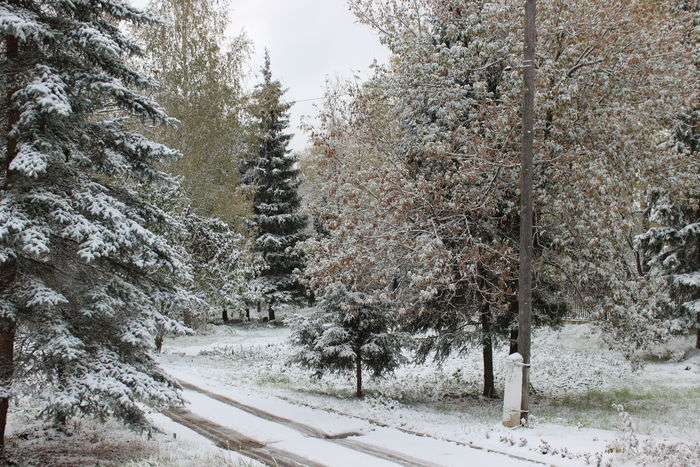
217	339
575	381
89	442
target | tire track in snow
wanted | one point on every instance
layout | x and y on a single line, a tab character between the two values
296	426
229	439
307	430
418	433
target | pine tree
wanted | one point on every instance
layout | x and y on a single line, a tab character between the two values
670	252
350	331
87	277
278	224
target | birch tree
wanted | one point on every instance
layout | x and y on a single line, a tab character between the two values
200	73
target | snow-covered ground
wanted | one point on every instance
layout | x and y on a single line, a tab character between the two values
576	383
331	441
89	442
245	402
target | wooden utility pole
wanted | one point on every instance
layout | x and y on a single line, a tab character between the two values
526	202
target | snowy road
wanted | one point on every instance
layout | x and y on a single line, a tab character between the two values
287	435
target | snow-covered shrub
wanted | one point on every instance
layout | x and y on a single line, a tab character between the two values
649	451
664	300
628	440
349	331
222	265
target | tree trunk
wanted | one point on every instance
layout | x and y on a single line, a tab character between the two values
487	346
247	313
159	342
8	270
224	314
60	422
271	312
358	374
526	199
513	341
7	344
697	330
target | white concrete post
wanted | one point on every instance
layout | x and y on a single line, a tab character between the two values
513	392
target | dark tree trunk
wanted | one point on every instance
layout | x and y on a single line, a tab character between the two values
697	331
487	345
8	270
224	315
60	422
259	307
7	344
271	312
513	341
247	313
358	374
159	342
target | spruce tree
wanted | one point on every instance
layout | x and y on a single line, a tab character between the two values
670	261
278	223
350	331
87	278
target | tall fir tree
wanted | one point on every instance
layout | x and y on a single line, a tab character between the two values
272	171
87	277
669	265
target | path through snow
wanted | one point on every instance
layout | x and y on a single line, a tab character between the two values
278	439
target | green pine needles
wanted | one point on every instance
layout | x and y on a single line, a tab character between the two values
350	331
272	171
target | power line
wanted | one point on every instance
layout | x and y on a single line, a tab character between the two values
307	100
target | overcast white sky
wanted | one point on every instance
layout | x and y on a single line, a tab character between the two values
309	40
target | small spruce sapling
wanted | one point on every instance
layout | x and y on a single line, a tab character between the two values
349	331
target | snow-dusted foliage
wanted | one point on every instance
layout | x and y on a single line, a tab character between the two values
223	267
271	172
89	277
415	174
350	331
664	300
419	177
661	298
